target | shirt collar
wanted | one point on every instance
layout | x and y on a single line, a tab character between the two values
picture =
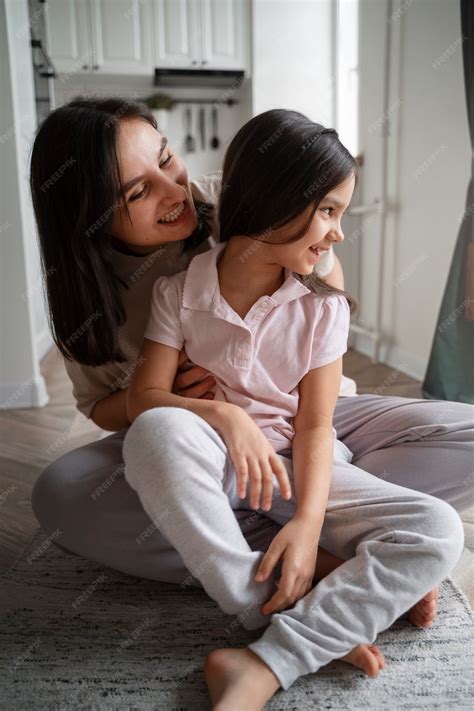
201	285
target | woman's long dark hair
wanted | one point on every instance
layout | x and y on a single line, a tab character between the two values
277	165
76	187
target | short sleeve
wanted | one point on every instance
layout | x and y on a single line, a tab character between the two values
164	324
88	385
331	332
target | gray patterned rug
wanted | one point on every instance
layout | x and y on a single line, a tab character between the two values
77	635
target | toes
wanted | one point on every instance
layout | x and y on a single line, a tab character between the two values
380	658
417	619
364	658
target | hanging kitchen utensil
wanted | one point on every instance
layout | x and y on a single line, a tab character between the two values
215	143
202	129
189	144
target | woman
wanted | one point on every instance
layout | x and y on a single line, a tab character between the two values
103	225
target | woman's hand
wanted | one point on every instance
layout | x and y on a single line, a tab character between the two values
254	458
297	542
192	380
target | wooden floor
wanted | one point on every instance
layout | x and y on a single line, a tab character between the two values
31	439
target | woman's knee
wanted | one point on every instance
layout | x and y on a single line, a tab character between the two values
47	496
67	484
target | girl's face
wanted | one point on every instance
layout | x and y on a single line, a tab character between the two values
157	190
324	231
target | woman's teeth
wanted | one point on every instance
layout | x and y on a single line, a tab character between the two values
315	250
174	214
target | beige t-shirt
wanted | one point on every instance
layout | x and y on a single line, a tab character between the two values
92	383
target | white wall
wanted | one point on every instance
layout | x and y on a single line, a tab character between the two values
428	169
21	312
230	119
293	63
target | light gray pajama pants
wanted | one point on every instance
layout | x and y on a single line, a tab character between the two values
403	542
400	543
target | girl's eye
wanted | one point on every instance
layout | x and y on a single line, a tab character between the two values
327	208
138	195
167	161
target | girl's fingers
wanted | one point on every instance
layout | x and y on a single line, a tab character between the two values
267	487
255	477
282	476
287	584
268	562
302	590
281	600
242	476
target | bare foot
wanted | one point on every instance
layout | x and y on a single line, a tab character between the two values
238	680
367	657
424	612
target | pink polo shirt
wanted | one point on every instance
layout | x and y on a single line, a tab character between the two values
257	361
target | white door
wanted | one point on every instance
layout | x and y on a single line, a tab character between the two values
177	34
223	24
67	33
121	36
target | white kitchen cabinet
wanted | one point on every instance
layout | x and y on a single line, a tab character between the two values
121	36
201	34
100	36
135	36
223	24
68	37
177	34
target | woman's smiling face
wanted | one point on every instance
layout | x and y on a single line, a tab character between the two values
157	191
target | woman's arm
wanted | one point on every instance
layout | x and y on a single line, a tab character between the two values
152	383
110	412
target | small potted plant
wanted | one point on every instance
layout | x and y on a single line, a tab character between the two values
161	105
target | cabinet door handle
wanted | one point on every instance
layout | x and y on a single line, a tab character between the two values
95	66
194	62
84	66
204	61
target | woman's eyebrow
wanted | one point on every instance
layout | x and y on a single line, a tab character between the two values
128	185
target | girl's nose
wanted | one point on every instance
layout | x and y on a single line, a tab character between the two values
336	236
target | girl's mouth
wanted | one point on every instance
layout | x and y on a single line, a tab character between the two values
177	215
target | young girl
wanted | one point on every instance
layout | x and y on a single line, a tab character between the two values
273	336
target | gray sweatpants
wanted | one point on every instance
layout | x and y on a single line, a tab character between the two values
400	543
424	446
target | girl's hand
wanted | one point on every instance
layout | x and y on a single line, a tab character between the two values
254	458
297	542
192	380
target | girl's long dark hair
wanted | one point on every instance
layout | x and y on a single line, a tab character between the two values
76	187
277	165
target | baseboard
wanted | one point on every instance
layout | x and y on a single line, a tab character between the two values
390	355
29	393
44	343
